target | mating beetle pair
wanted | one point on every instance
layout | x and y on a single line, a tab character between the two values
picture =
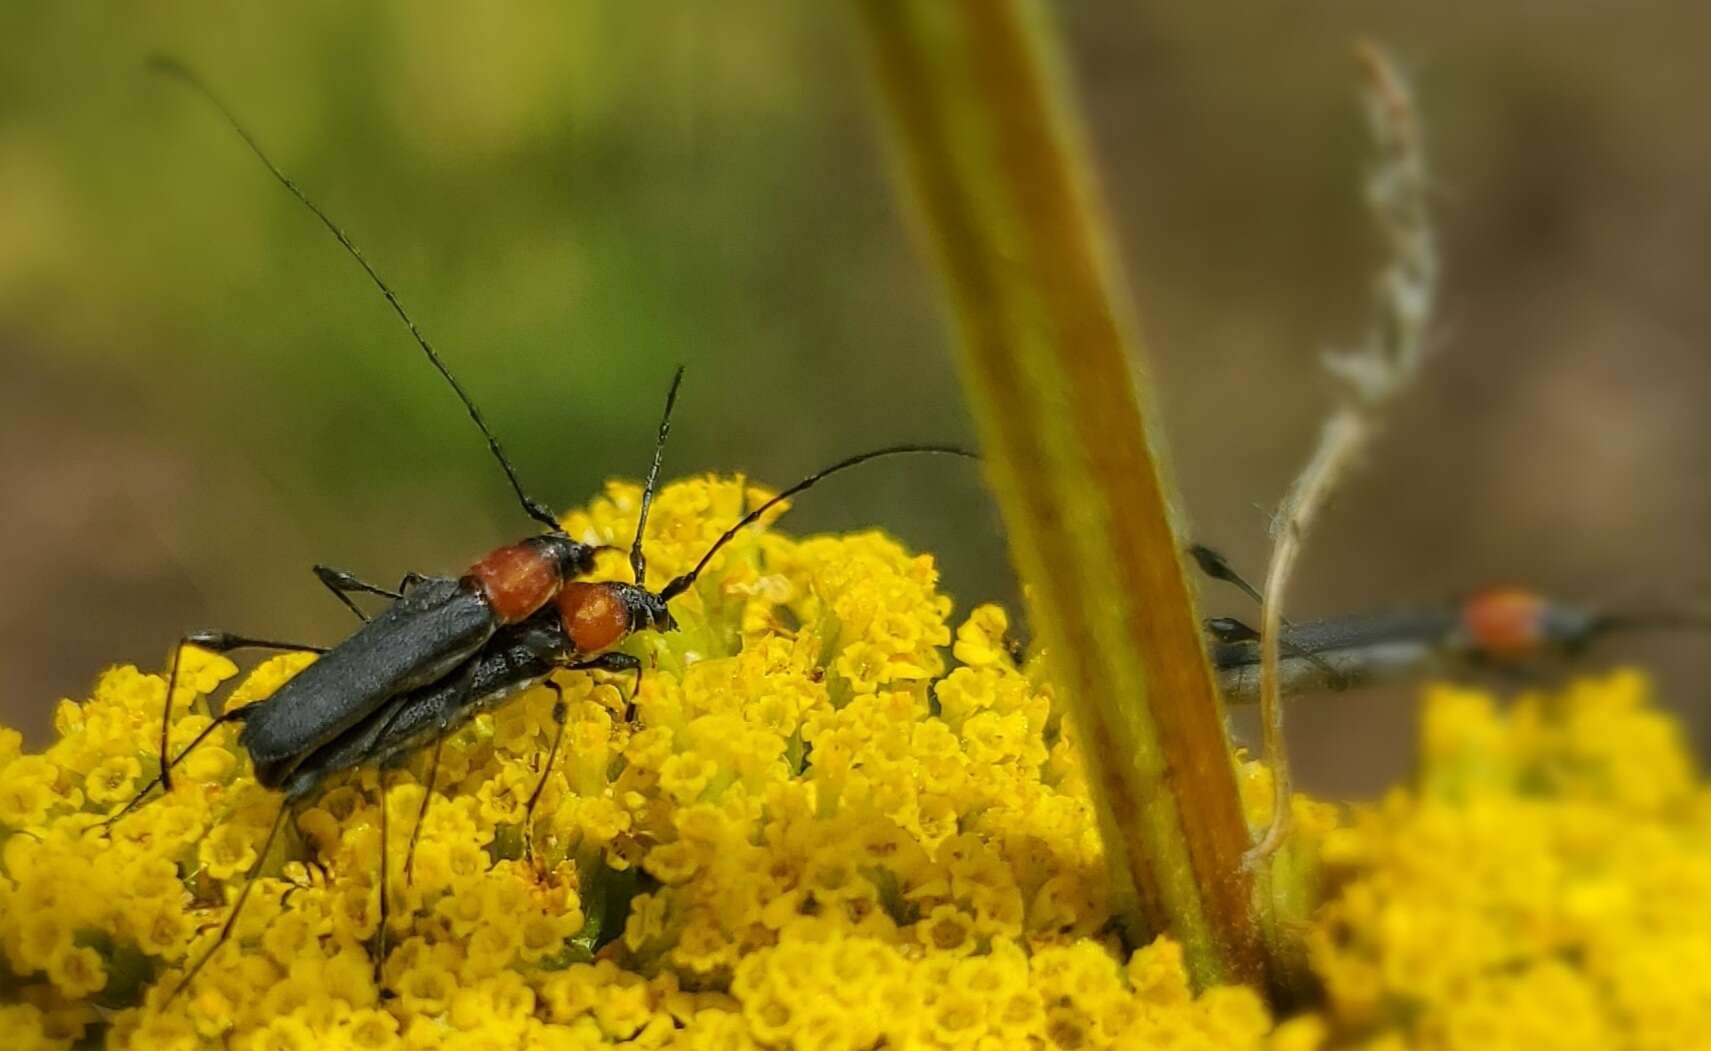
447	647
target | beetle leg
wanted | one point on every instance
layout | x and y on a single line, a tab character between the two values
341	584
1216	566
237	906
235	715
385	907
546	771
422	813
218	642
1228	629
465	686
617	663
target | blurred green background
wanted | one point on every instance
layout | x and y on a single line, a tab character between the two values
200	395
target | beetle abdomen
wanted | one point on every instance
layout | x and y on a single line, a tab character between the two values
435	627
511	663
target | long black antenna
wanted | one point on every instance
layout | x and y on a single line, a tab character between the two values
684	582
638	561
173	68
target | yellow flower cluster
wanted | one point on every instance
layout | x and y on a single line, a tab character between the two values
802	832
825	820
1547	884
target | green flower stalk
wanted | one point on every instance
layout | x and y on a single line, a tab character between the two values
994	161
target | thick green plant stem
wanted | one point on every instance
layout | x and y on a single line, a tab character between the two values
997	169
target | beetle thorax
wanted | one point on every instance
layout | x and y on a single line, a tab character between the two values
596	617
519	579
1504	623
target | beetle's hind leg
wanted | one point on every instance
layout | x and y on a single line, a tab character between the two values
285	808
465	686
217	642
226	642
380	934
235	715
546	771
